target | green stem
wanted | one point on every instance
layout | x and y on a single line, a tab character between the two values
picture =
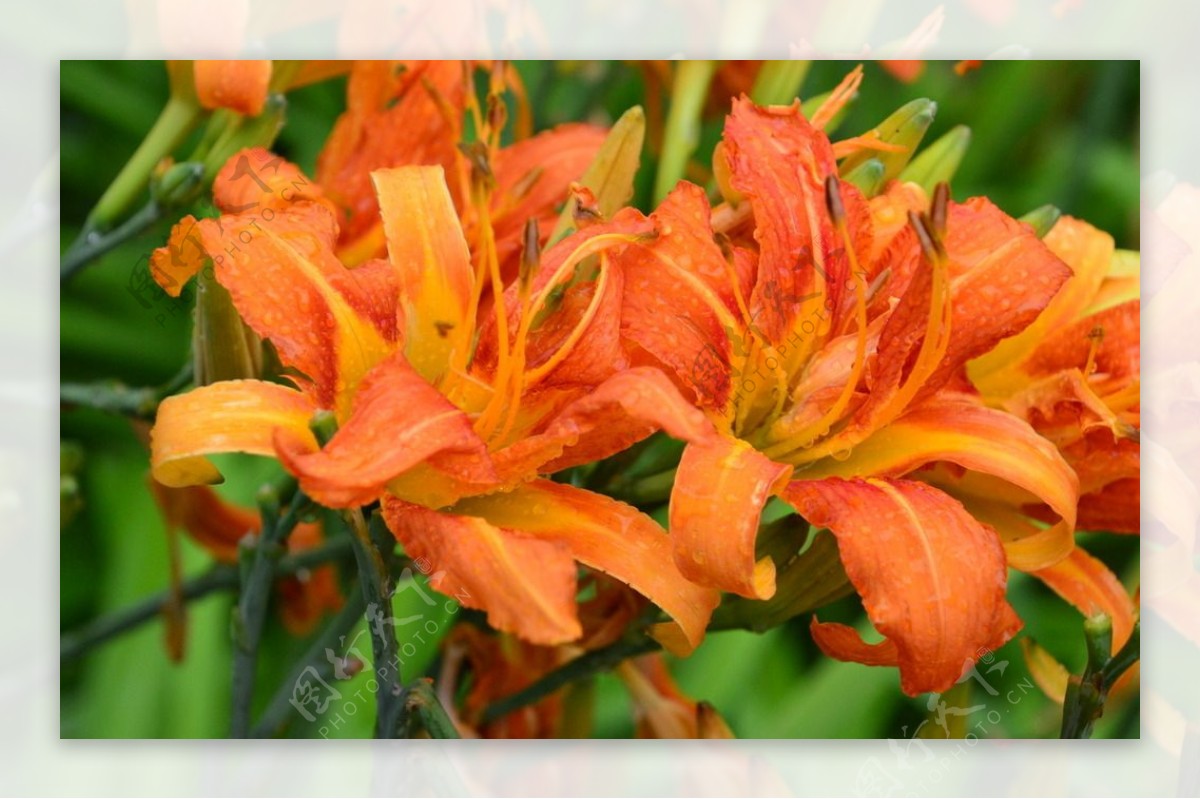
219	578
113	396
377	594
1086	695
92	245
280	709
682	131
178	118
422	705
258	570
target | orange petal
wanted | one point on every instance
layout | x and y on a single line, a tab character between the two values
1117	354
681	297
843	643
428	251
958	429
398	420
1050	675
1088	584
1088	252
184	254
1116	508
619	412
932	579
905	70
391	119
237	85
1002	277
231	416
532	178
257	179
779	162
606	535
288	286
720	489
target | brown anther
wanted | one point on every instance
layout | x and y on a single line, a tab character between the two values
938	209
833	200
531	256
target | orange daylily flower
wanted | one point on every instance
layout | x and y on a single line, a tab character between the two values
218	526
828	350
1074	375
448	428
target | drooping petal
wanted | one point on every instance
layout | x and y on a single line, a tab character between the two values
1088	584
429	253
932	579
842	642
231	416
237	85
607	535
184	254
526	584
720	489
398	420
958	429
211	522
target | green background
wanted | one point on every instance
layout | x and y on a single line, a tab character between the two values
1043	132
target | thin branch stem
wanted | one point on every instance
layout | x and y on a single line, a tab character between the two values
219	578
92	245
422	705
259	557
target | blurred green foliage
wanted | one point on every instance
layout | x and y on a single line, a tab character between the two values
1043	132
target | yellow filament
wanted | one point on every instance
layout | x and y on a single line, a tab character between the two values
933	349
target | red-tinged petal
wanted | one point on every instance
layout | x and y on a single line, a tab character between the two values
1116	334
621	411
237	85
211	522
905	70
957	429
1088	252
526	584
532	178
681	296
427	250
392	119
398	421
1116	508
231	416
184	254
607	535
255	179
1088	584
841	642
1002	277
779	162
720	489
932	579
